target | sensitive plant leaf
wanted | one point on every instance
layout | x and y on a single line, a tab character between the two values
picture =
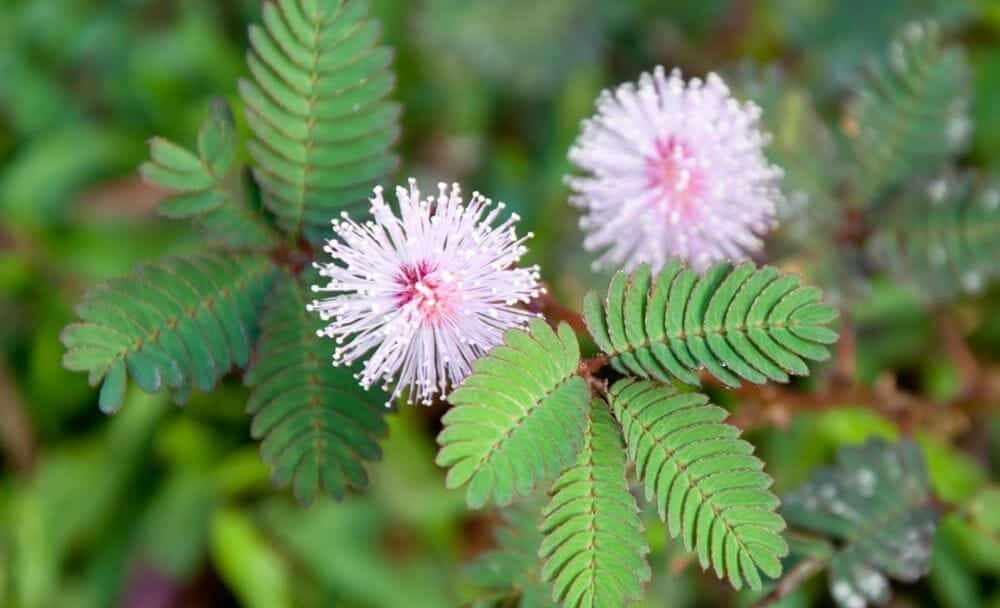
875	507
518	419
708	486
208	185
735	322
594	549
912	116
181	323
943	237
316	424
323	130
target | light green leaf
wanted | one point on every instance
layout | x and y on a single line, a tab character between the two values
738	323
518	418
594	550
708	486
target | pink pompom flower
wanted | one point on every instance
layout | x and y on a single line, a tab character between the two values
673	169
424	293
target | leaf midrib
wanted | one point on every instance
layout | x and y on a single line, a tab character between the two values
703	332
171	322
683	470
516	424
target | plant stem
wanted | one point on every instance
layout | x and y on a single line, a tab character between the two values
791	581
555	312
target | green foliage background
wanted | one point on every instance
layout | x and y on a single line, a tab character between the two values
158	506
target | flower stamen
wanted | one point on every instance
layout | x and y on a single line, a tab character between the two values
422	294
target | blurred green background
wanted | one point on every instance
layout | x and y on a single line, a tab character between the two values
160	507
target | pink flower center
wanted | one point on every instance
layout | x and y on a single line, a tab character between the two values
672	171
421	285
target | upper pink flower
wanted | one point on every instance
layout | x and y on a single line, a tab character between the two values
425	292
673	169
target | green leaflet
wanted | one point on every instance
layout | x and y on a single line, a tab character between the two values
209	185
318	426
913	115
518	419
594	547
943	237
181	323
323	130
707	484
737	323
875	507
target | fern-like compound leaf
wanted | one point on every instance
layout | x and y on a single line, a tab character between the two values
209	187
943	239
317	425
518	419
317	107
734	322
511	570
708	486
180	324
913	114
594	548
875	507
